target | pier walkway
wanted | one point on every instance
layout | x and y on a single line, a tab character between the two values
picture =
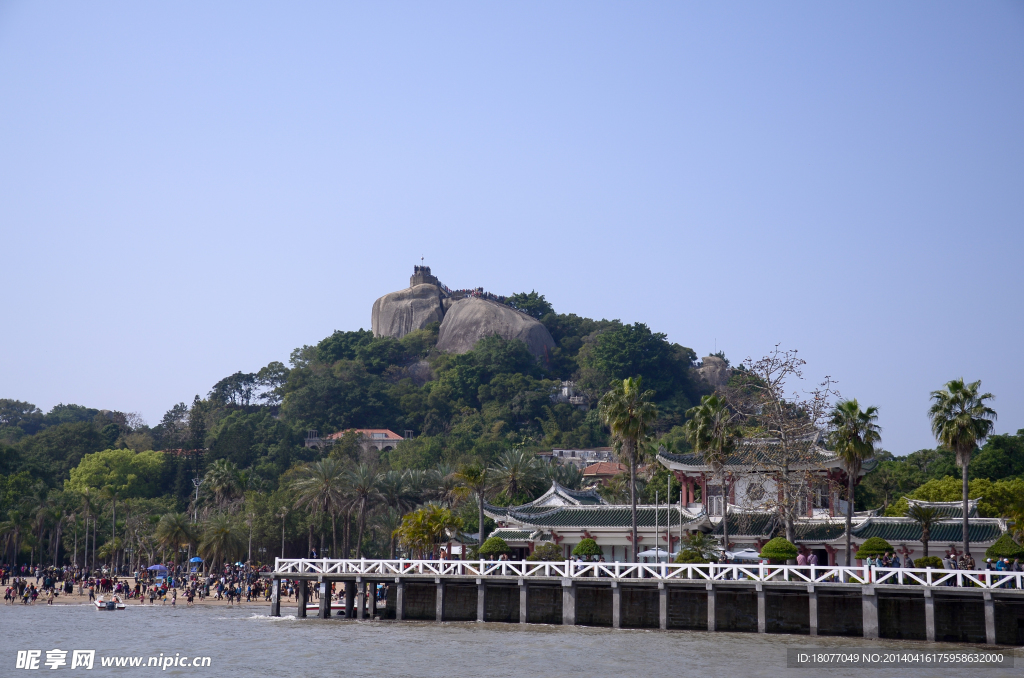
984	606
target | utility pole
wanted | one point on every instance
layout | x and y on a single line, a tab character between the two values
195	506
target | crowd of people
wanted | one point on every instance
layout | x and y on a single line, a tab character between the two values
164	586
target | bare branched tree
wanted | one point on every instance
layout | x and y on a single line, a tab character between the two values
784	427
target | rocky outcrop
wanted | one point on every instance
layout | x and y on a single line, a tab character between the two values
715	371
470	320
399	313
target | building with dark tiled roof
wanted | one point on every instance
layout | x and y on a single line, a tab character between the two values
565	517
819	471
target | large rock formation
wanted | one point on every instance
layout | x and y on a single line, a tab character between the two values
470	320
465	320
399	313
715	371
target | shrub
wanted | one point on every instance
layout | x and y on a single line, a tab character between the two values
875	546
494	546
779	550
547	552
929	561
690	558
587	548
1005	547
699	548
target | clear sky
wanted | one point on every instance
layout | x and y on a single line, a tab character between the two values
192	189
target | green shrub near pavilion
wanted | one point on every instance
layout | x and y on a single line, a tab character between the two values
547	552
587	549
690	558
779	550
873	547
494	546
1005	547
929	561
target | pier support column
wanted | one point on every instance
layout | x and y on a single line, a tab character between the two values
360	598
616	605
399	599
300	597
439	601
350	600
662	606
568	602
812	602
371	599
524	611
869	606
325	600
990	618
275	598
929	616
711	606
481	600
762	615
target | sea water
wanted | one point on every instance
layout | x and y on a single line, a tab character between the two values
246	641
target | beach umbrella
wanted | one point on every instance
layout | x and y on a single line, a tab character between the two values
195	559
653	553
157	567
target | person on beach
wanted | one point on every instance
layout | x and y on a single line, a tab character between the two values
174	597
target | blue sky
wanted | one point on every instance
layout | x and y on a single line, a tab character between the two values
192	189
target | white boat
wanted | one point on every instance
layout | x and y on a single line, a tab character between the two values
112	603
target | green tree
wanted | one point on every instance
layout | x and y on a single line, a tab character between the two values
223	481
320	487
517	475
711	433
961	420
629	412
587	549
476	479
494	546
925	516
133	474
174	531
221	540
853	437
530	303
363	485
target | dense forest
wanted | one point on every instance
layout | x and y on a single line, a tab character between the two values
479	408
78	482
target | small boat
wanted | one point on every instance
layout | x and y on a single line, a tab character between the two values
336	606
113	603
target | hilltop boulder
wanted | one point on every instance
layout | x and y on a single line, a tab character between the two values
470	320
399	313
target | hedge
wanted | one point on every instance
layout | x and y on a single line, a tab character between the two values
929	561
1005	547
779	549
587	548
494	546
876	546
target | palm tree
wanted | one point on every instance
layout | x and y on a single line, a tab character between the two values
566	475
446	487
174	531
389	520
475	478
397	491
282	513
222	479
363	489
853	437
629	413
925	516
518	472
320	486
221	539
88	497
961	420
711	433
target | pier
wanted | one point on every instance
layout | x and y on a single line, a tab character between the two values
900	603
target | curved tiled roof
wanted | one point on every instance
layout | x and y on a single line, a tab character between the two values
598	516
753	452
949	509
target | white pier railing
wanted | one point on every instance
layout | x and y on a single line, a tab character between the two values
569	569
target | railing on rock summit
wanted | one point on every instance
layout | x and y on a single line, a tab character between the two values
569	569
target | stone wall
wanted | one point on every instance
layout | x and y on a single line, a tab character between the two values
640	607
594	605
736	610
688	609
959	620
460	602
544	604
1009	622
901	616
501	604
840	614
420	601
787	612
